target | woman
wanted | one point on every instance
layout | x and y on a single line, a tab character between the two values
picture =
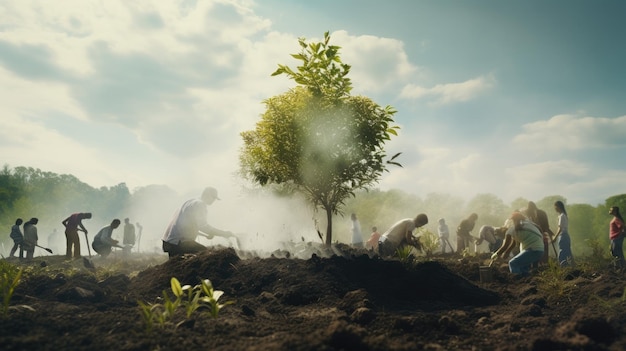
616	234
562	234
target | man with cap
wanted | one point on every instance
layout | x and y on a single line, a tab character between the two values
530	238
189	222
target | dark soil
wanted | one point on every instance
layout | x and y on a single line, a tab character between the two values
349	301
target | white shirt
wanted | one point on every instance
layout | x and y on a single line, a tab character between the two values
397	232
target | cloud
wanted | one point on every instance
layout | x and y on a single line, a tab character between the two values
377	63
442	94
571	132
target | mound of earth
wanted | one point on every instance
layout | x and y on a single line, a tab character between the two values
350	300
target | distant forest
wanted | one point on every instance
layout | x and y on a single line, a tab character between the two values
27	192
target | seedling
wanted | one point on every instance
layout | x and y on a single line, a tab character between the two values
191	298
9	279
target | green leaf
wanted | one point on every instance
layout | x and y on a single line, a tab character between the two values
176	288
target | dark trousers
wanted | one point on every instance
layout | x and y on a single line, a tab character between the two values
17	244
182	248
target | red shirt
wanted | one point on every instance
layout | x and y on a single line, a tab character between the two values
615	228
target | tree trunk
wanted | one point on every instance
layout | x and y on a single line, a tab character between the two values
329	225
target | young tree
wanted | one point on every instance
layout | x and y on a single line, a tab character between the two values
316	138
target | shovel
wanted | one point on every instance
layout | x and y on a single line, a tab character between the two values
45	248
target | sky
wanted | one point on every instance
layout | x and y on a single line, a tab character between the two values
512	98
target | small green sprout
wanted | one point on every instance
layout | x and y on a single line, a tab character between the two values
191	298
10	277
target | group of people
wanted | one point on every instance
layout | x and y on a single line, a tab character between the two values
103	242
24	241
525	237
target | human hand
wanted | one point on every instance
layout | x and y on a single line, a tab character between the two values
494	256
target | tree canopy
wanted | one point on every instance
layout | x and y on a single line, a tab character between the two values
316	138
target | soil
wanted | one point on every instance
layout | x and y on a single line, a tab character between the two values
338	299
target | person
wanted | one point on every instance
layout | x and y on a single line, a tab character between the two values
492	235
129	236
540	218
30	237
357	238
73	224
18	238
530	240
444	234
103	241
616	235
401	233
189	222
139	231
464	232
562	234
372	242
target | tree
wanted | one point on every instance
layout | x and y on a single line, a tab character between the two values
316	138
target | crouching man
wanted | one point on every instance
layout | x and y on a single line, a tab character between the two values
530	238
189	222
103	242
401	233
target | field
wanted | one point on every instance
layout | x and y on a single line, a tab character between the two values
339	299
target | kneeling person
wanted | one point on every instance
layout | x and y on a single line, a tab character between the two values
102	242
531	245
401	233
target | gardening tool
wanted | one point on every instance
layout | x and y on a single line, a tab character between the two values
45	248
554	248
87	241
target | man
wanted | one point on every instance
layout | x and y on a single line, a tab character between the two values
492	235
103	241
30	237
18	238
72	225
401	233
528	235
129	236
464	233
189	222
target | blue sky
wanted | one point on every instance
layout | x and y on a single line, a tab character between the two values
514	98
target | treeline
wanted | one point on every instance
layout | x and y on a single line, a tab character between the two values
27	192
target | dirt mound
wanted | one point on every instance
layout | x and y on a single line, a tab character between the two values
337	300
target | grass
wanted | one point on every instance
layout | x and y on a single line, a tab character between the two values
10	277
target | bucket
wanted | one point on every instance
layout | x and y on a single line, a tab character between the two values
486	274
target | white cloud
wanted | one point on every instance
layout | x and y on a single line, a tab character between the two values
376	63
442	94
571	132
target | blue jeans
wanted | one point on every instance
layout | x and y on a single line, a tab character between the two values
521	263
565	249
616	250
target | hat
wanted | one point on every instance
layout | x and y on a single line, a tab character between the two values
209	193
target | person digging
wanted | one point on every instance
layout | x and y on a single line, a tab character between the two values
103	242
530	238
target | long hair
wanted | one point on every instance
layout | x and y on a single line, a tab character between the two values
561	206
616	213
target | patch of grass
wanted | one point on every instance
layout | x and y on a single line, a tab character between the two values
10	277
551	281
608	305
